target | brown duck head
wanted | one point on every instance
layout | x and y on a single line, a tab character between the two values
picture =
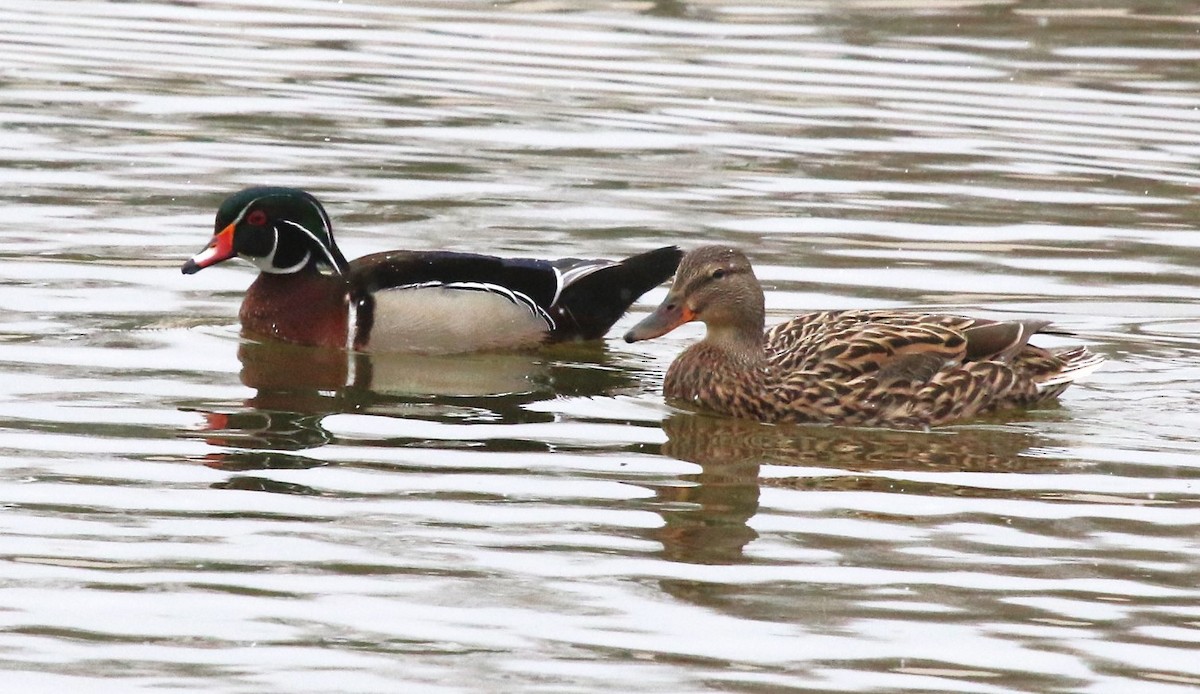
716	286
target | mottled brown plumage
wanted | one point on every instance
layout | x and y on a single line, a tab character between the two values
868	368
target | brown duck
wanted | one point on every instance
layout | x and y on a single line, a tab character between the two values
859	367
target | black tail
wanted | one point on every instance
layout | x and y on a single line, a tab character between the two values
589	306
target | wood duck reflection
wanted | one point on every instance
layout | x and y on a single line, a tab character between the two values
296	387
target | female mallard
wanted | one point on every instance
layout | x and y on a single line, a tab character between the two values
868	368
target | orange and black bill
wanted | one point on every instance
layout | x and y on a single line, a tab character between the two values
670	314
218	249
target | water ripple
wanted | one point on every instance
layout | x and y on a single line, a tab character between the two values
186	508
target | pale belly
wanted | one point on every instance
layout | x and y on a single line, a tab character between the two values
437	320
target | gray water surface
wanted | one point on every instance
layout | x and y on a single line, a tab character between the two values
185	510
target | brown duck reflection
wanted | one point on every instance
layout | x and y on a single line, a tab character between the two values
714	440
724	495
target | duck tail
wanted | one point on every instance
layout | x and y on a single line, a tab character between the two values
1078	363
589	304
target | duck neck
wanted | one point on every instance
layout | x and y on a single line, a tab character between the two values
741	343
725	372
306	307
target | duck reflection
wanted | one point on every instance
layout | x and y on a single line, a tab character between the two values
732	454
715	440
297	387
706	517
282	368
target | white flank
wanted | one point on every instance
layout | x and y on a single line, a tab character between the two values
444	320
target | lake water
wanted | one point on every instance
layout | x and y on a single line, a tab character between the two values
183	510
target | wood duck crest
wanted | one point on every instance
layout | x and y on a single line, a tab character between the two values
278	230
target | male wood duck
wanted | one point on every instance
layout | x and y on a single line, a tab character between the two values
902	369
412	301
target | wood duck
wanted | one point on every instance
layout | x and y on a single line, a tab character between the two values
904	369
412	301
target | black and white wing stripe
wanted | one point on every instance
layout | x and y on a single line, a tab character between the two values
516	297
570	270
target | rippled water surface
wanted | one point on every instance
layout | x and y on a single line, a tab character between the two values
185	510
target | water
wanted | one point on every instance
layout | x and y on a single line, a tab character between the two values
186	511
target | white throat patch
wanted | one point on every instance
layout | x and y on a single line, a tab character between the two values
267	263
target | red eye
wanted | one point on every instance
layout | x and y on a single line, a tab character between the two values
257	218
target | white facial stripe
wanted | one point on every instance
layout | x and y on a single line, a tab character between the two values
324	249
295	268
266	263
325	223
327	227
242	215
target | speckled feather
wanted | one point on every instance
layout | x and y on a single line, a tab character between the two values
869	368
